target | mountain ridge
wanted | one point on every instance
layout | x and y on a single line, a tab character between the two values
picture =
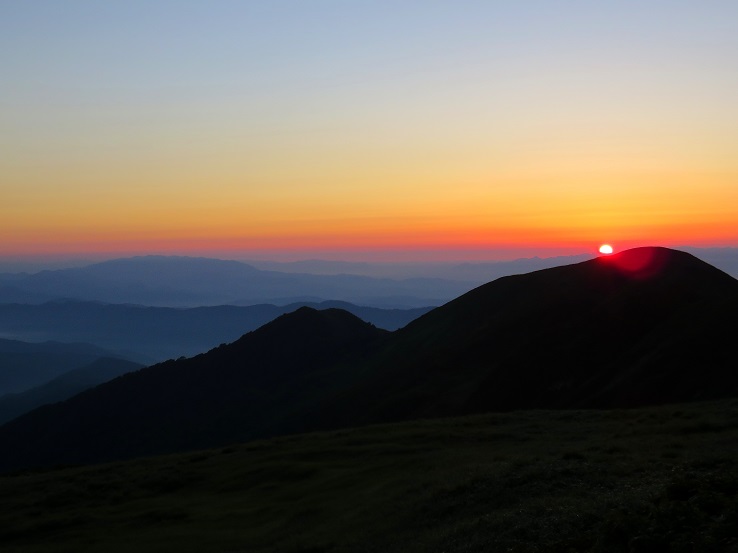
64	386
642	327
175	404
524	314
25	365
166	281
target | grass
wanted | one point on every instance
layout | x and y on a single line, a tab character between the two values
659	480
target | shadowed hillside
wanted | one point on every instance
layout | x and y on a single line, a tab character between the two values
233	393
646	326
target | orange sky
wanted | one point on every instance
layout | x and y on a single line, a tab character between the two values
385	128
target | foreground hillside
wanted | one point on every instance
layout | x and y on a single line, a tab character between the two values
642	480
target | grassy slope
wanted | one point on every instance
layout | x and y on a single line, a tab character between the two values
655	479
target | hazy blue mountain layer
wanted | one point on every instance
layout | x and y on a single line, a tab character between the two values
189	282
151	334
65	386
25	365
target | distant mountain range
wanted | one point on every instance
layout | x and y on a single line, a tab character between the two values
24	366
34	374
645	326
65	386
188	282
193	282
477	272
151	334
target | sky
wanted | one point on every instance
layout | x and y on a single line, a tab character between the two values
366	129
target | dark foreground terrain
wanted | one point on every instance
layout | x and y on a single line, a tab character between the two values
660	479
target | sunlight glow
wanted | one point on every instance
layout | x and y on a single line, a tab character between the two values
606	249
366	132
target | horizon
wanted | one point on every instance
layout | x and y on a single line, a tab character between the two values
375	130
401	258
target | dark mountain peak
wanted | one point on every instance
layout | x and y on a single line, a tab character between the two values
662	263
309	319
646	268
216	397
325	332
627	283
646	325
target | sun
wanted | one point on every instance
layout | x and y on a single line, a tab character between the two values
606	249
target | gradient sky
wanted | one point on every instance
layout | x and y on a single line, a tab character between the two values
366	126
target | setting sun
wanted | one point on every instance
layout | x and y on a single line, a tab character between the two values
606	249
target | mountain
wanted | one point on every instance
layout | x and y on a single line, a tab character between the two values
151	334
725	259
27	365
233	393
187	281
479	272
645	326
170	281
65	386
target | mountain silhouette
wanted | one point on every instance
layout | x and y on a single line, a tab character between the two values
233	393
645	326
